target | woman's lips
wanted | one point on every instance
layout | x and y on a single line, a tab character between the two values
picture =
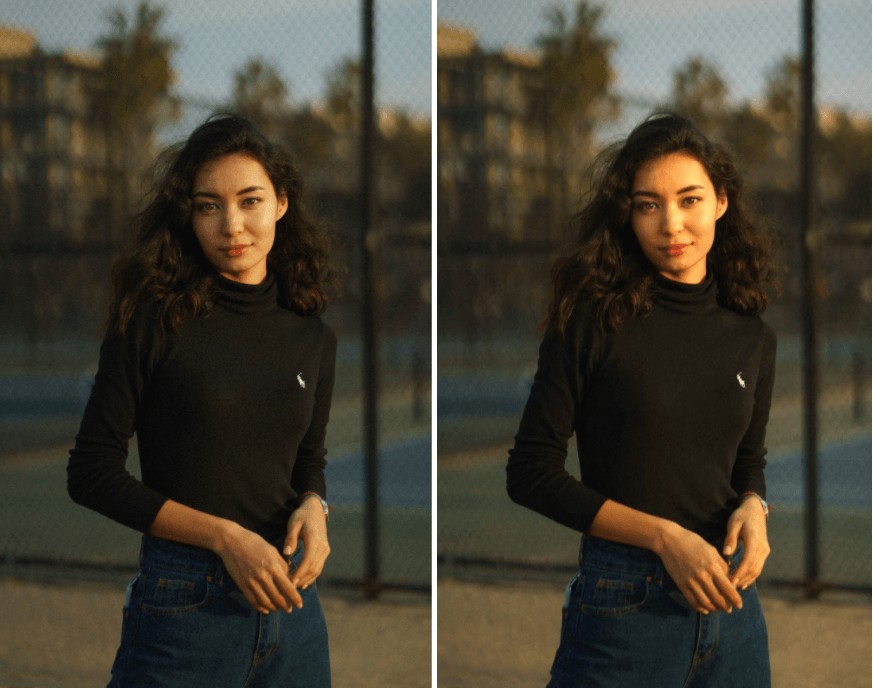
236	250
675	249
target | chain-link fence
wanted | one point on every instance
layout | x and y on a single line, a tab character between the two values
526	93
89	92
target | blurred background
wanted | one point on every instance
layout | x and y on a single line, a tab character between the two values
527	93
90	91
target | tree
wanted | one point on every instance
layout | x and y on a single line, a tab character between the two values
575	95
310	137
133	101
261	96
783	96
344	94
700	94
750	139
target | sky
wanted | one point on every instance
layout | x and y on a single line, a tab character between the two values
304	39
744	38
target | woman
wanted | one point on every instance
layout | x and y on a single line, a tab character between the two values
215	356
656	358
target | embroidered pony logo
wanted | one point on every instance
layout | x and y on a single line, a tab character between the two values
300	381
741	381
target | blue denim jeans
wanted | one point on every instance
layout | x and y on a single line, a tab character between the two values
186	624
625	623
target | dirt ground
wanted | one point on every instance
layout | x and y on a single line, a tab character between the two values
65	635
504	635
490	635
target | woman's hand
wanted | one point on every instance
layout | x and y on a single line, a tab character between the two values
255	565
309	523
699	571
696	567
259	571
749	524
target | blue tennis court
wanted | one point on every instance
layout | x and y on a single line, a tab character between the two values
404	475
844	475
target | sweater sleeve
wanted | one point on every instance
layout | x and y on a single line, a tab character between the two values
308	474
96	474
536	474
748	474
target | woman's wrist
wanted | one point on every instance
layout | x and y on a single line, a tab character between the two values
752	500
664	533
226	533
315	501
619	523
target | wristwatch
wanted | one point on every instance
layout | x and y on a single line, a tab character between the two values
324	504
765	506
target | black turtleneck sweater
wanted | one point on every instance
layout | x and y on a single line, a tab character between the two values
230	414
669	414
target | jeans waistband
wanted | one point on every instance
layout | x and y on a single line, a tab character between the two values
614	555
159	553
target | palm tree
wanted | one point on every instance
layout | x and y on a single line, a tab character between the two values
133	101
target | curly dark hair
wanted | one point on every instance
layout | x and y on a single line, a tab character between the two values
164	264
604	263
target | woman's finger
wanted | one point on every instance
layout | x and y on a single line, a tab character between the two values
696	597
311	565
256	597
729	545
751	565
280	587
751	574
291	538
728	592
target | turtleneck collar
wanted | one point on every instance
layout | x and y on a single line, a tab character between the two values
686	298
245	298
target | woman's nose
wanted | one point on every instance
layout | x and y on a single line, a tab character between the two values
233	222
672	221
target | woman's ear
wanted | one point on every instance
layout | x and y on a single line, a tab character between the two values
281	206
721	205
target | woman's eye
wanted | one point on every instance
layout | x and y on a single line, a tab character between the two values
251	201
691	200
205	208
646	206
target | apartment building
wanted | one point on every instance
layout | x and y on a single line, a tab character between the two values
493	158
53	184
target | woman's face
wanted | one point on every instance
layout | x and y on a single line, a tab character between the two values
234	209
674	213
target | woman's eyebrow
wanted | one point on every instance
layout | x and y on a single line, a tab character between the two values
250	189
653	194
210	194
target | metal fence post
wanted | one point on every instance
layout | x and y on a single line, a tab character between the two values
808	311
370	370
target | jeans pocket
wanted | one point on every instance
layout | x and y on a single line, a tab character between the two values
168	592
570	593
612	593
129	592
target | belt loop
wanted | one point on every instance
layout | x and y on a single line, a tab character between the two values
218	568
659	572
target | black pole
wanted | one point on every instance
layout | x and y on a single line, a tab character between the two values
368	305
808	311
